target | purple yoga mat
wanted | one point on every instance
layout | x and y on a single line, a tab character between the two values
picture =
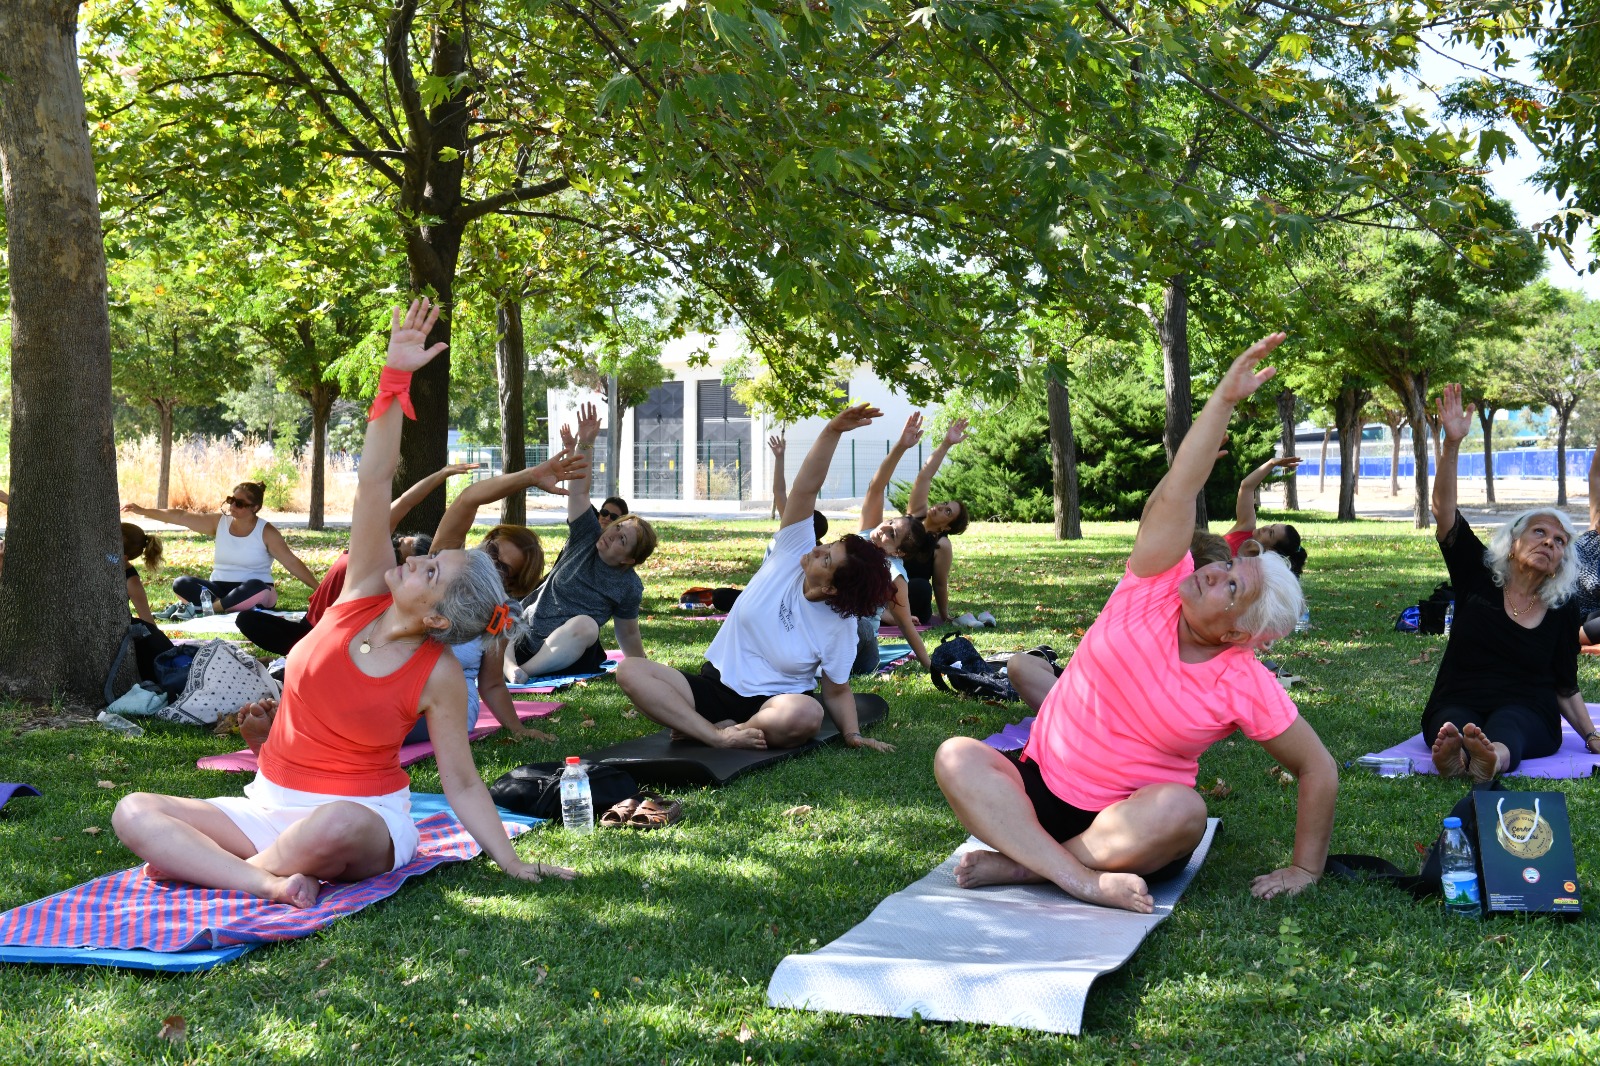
245	761
1013	737
1571	760
8	790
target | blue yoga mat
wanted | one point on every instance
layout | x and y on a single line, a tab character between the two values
552	682
423	805
9	789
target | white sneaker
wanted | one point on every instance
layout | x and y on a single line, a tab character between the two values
966	621
987	619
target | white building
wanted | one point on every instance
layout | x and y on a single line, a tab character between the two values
693	445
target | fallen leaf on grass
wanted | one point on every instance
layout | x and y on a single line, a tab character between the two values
630	713
1498	938
1419	660
106	784
92	830
744	1034
58	838
970	719
587	723
409	981
174	1029
539	973
322	993
798	812
1220	790
323	965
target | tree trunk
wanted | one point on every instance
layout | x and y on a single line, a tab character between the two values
1063	461
1347	408
1172	328
511	365
1486	420
64	546
164	478
1291	483
614	438
321	400
1322	471
1564	413
1356	484
1413	394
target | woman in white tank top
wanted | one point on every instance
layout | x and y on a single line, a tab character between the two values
246	545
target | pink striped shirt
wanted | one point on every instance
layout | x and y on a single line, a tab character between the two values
1127	712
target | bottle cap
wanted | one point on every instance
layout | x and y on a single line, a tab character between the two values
574	760
1449	823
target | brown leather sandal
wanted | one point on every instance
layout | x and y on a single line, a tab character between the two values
656	812
618	814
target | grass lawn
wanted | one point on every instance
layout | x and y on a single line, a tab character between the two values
662	950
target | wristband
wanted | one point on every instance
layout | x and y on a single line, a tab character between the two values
392	385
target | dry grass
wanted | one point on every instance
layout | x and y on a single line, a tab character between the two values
204	470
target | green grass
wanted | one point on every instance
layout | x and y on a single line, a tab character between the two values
662	951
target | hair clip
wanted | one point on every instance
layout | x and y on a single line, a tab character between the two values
499	620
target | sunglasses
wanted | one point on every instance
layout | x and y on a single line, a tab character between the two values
609	516
238	501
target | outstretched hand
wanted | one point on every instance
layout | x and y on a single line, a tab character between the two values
956	433
1287	461
537	871
778	445
1243	379
1455	420
912	433
1289	881
568	441
854	417
567	465
588	423
459	468
408	336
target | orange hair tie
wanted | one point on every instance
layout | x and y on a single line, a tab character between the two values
499	620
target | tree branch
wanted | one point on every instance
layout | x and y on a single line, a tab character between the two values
478	208
344	88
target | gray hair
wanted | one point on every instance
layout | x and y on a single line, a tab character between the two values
1277	605
1497	556
470	600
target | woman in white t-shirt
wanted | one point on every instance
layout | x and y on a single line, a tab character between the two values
796	617
898	537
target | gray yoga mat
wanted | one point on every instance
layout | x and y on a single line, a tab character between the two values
1020	955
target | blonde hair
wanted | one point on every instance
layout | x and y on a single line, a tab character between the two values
136	542
647	537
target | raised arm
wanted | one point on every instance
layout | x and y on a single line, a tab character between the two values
458	517
872	503
780	490
1244	508
918	502
200	523
371	554
4	499
279	549
578	488
814	471
1455	421
1167	524
418	492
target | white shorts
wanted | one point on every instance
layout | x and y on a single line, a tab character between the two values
266	810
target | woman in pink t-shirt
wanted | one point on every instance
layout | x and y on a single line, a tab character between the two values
1103	797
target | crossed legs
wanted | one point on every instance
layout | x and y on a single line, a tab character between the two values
191	840
1104	864
663	695
560	649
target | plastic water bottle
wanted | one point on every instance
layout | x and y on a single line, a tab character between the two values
1458	874
1303	623
577	804
119	725
1449	616
207	605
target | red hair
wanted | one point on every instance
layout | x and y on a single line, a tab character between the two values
862	585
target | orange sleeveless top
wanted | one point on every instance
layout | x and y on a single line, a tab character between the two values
337	730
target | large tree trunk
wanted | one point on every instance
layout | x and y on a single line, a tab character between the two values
511	365
321	399
1172	328
1063	461
1564	414
1347	409
164	477
1291	484
1486	420
1412	392
63	545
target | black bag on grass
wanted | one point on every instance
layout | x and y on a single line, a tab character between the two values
1431	611
956	666
535	789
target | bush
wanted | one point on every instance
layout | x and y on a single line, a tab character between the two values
1002	471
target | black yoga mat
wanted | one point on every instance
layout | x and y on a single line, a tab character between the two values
657	759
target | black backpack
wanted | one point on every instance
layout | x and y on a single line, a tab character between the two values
536	788
1430	612
956	666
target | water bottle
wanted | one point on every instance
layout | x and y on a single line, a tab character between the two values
1449	616
577	804
1303	623
1458	874
207	606
119	725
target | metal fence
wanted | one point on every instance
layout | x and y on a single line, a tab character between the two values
1513	462
658	470
721	470
493	465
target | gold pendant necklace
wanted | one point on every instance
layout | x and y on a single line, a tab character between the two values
1527	607
367	645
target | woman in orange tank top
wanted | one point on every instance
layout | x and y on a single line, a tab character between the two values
330	802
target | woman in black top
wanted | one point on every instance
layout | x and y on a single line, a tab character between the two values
1510	669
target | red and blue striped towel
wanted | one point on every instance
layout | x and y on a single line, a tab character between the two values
128	910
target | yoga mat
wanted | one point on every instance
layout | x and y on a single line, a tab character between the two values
1572	759
8	790
551	682
891	656
659	760
245	761
140	924
1013	737
218	625
1021	955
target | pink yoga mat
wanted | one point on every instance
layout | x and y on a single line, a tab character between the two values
1572	759
245	761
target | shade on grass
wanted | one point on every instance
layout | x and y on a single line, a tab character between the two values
663	950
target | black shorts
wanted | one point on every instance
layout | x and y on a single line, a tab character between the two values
590	662
1063	821
716	702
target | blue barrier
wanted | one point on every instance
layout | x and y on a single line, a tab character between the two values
1513	462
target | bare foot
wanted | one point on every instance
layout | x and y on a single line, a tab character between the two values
680	735
297	890
1125	891
1483	761
740	736
1448	757
154	873
981	867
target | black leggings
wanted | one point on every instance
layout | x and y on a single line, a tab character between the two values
1526	733
1591	627
919	596
226	594
271	632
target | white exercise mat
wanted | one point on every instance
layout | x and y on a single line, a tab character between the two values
219	625
1021	955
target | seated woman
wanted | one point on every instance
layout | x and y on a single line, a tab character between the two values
241	575
797	615
1510	670
331	802
1277	537
928	569
1102	800
614	508
593	582
897	538
1586	551
137	544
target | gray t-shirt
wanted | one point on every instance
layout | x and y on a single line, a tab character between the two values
581	583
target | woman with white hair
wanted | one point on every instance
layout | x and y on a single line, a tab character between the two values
1102	800
1510	671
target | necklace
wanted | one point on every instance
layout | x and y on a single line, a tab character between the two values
1525	607
367	645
